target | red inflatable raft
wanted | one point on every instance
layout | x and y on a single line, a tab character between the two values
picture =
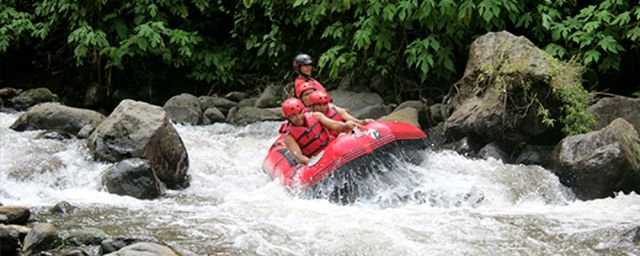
348	155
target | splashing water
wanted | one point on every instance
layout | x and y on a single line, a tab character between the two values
445	205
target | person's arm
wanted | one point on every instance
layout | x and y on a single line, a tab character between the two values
348	117
335	125
294	148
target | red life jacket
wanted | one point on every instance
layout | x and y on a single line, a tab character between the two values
303	79
333	114
312	137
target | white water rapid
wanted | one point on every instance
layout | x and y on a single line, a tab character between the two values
458	207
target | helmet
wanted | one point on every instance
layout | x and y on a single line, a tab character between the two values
291	106
319	97
301	59
303	87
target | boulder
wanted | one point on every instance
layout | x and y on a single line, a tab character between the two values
133	177
145	249
85	236
140	130
14	215
599	163
495	151
272	96
212	115
247	115
32	97
110	245
184	108
421	107
533	154
408	115
60	118
236	96
372	112
506	82
9	241
220	103
42	237
353	101
608	109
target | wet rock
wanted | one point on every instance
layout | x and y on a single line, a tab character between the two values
213	115
133	177
599	163
63	207
421	107
608	109
184	108
141	130
110	245
246	103
271	97
145	249
85	236
14	215
9	92
236	96
437	135
57	117
353	101
42	237
32	97
372	112
495	151
538	155
220	103
439	112
408	115
247	115
9	241
505	76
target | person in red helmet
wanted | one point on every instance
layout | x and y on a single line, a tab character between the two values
304	90
302	69
308	133
321	102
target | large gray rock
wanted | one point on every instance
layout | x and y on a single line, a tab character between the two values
247	115
184	108
354	101
608	109
9	241
42	237
145	249
14	215
212	115
133	177
599	163
32	97
371	112
408	115
57	117
272	96
140	130
220	103
504	83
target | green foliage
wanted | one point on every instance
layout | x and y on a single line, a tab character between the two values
575	117
217	41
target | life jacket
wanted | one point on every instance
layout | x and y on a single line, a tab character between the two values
303	79
312	137
333	114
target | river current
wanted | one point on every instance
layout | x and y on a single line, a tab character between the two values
446	205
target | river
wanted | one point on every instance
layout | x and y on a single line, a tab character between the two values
455	206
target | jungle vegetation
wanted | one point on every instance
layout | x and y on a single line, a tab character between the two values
152	49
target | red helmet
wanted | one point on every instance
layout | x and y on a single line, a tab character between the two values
291	106
319	97
303	87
